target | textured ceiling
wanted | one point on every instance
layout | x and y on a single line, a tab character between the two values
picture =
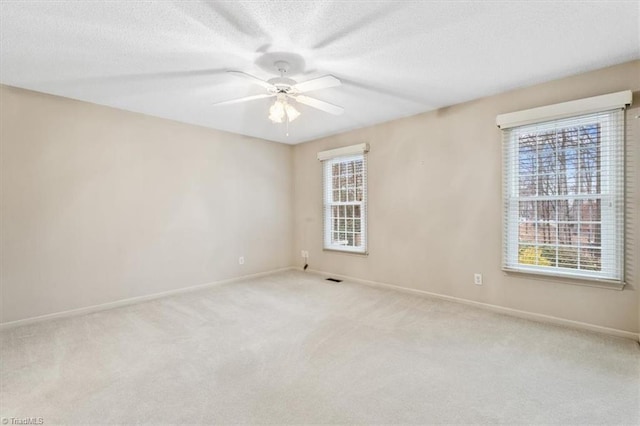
395	58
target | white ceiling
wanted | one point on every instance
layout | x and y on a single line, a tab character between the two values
395	58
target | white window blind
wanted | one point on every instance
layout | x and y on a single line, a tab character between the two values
563	193
345	198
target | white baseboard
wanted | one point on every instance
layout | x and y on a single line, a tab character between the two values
133	300
495	308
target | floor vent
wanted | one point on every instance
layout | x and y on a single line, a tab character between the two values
335	280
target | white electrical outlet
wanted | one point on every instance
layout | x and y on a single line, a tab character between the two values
477	279
304	254
241	260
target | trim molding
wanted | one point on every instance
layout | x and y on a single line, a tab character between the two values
361	148
134	300
618	100
494	308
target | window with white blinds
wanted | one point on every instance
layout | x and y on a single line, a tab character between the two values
563	193
345	199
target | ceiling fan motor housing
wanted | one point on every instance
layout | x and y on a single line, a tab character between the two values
282	85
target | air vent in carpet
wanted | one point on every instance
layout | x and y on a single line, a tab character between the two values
335	280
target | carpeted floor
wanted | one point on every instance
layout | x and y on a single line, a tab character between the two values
293	348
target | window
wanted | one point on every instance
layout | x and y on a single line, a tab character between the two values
564	196
345	199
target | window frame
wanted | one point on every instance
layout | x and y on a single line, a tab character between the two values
328	203
611	196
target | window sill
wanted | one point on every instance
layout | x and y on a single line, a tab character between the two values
355	253
564	279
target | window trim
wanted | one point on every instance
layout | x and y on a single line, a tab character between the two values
355	152
612	242
552	277
575	108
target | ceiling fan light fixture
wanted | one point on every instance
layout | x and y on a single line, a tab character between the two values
275	119
277	111
292	113
281	110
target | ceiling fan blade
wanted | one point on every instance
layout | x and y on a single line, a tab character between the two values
318	104
253	79
323	82
245	99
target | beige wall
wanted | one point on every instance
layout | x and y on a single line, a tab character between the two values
435	206
100	205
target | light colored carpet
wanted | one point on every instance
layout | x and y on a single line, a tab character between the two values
293	348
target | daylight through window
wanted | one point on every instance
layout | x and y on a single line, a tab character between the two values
564	196
345	193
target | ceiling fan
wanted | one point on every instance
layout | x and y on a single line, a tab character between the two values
285	89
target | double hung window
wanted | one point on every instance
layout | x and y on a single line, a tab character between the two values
564	195
345	198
